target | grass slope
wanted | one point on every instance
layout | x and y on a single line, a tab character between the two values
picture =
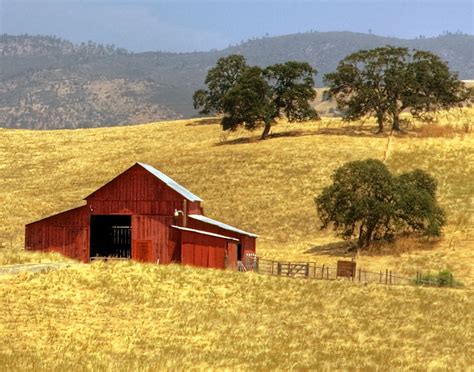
145	317
263	186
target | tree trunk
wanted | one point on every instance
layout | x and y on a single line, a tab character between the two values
396	121
360	241
368	236
266	130
380	122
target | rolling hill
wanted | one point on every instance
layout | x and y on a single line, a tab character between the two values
131	316
50	83
263	186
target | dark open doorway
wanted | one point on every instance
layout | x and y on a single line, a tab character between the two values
111	236
239	252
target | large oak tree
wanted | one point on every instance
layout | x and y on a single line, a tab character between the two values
367	202
386	81
253	97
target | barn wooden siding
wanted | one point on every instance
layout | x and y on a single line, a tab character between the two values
208	251
151	202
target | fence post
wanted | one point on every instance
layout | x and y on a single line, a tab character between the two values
390	276
272	266
327	273
279	268
386	276
307	269
359	273
322	272
451	280
257	264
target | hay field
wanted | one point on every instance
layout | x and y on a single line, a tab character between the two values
264	186
145	317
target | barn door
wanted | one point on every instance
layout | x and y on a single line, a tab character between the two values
231	256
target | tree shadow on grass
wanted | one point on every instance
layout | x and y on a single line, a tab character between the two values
204	121
338	249
350	131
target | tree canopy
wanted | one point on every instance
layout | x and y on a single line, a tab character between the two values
386	81
253	97
366	201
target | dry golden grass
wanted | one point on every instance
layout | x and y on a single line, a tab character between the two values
263	186
129	316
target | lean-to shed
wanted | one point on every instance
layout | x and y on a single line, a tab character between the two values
144	215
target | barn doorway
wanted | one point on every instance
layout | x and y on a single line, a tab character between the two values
111	236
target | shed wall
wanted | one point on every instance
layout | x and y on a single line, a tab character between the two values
204	250
66	233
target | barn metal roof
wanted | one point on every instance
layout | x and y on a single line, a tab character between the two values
222	225
204	233
171	183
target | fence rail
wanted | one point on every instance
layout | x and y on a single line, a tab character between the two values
310	270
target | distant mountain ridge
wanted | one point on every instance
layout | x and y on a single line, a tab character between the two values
48	83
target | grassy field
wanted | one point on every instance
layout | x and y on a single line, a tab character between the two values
264	186
131	316
146	317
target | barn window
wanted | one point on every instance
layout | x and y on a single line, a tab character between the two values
111	236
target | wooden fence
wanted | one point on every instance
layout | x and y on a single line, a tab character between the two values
311	270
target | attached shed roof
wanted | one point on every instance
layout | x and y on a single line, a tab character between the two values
222	225
171	183
204	233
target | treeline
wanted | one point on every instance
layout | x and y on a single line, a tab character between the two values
25	44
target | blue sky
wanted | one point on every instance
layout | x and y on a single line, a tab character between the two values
202	25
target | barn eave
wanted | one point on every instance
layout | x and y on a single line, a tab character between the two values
204	233
200	217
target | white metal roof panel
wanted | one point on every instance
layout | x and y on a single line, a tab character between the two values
204	232
171	183
222	225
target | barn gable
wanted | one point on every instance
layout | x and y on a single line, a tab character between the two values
142	182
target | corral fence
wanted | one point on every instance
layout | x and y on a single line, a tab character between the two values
344	270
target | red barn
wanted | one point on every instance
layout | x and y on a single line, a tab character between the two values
144	215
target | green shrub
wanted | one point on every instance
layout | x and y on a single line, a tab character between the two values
444	278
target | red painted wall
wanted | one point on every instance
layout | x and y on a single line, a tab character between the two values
205	251
66	233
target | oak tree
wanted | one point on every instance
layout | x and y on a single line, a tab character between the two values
367	202
253	97
386	81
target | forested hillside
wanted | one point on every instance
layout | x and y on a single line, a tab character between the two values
47	82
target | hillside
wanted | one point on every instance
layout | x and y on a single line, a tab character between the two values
262	186
50	83
132	316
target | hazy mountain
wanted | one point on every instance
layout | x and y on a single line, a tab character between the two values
47	82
